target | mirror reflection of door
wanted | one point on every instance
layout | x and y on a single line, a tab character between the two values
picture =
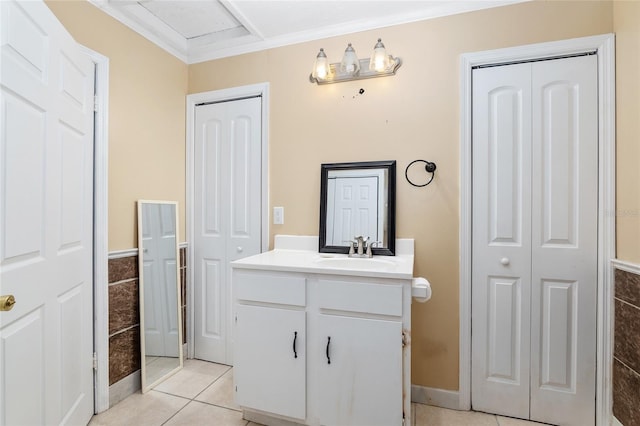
160	322
159	242
354	202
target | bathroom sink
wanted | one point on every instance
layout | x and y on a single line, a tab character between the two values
357	263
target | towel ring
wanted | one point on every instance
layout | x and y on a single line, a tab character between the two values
429	167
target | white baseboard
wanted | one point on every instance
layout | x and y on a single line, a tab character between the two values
437	397
615	422
123	388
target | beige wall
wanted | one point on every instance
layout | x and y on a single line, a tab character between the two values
626	24
412	115
147	88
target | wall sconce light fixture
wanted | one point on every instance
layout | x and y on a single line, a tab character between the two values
351	68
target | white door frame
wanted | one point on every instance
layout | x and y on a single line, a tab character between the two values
603	46
100	231
234	93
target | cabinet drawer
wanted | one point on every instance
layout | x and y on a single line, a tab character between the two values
360	297
282	289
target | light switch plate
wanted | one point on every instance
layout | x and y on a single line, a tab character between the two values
278	215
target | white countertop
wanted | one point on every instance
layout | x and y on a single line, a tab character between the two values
298	257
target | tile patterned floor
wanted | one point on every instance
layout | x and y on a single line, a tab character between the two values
202	394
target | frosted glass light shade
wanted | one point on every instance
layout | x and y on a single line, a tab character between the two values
381	64
350	63
379	60
321	67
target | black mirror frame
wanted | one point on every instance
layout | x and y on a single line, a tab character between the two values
391	207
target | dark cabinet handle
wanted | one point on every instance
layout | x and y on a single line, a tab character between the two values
328	342
295	337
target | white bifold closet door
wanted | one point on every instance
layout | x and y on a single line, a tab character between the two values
227	214
534	248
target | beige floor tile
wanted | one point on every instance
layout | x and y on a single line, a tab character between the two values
153	408
220	392
427	415
508	421
198	413
195	377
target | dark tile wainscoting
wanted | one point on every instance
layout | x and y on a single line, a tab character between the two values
626	348
124	318
124	314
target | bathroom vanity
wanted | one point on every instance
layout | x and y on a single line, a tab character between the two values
323	339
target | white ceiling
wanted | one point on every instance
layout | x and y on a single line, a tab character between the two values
200	30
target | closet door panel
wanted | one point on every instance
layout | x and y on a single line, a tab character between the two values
564	240
501	248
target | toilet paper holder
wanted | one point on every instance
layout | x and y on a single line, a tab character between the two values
420	289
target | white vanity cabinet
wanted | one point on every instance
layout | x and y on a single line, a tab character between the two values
360	379
269	344
270	367
350	365
360	382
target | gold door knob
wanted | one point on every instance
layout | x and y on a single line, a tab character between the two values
7	302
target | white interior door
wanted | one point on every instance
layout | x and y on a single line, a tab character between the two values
534	249
46	223
227	214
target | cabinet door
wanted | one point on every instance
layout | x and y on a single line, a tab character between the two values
269	369
360	372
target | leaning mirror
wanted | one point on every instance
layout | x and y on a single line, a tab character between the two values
358	199
160	316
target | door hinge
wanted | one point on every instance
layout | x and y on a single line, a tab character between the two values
236	318
404	339
95	361
95	103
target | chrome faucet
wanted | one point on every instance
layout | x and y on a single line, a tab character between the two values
361	245
370	246
358	247
369	253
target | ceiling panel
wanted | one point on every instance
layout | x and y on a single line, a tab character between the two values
200	30
192	18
